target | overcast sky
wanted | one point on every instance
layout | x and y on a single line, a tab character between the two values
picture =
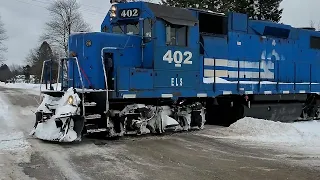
25	19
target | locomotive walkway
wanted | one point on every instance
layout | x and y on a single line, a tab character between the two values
177	156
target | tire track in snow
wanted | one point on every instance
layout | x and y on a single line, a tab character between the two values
13	145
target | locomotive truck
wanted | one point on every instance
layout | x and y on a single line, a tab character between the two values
154	68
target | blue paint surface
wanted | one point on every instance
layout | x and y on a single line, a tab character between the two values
250	53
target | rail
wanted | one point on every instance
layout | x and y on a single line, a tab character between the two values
106	78
105	75
41	78
58	77
81	80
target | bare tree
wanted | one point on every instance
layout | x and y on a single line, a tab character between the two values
65	19
312	24
3	37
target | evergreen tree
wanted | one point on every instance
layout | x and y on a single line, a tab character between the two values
5	73
38	56
255	9
26	73
268	10
245	7
213	5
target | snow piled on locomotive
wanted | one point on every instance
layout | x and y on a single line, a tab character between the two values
56	122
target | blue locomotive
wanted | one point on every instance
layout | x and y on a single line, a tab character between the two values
155	68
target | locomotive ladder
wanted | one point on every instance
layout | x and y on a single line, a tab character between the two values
85	104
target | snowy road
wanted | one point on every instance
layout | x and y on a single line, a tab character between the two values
197	155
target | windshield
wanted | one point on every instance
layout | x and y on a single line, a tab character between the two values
129	28
118	29
133	28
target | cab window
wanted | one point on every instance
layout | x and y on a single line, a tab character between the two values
128	28
176	35
119	29
147	27
133	28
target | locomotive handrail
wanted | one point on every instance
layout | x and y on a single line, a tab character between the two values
105	75
78	66
80	76
58	76
43	65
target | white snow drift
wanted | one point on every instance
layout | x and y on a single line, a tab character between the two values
269	131
298	137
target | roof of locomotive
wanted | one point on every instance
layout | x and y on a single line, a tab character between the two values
186	16
173	14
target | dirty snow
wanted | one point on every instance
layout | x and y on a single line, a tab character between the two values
11	139
298	137
269	131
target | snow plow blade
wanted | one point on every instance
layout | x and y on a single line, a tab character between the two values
58	118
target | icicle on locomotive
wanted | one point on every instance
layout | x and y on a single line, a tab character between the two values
155	68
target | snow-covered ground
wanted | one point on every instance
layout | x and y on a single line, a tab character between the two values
298	138
30	87
10	138
252	129
181	156
300	135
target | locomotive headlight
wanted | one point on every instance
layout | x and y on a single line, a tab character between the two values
113	11
113	14
70	100
113	8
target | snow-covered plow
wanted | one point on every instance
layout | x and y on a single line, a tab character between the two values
58	118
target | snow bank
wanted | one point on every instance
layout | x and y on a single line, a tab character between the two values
269	131
20	85
28	86
298	135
